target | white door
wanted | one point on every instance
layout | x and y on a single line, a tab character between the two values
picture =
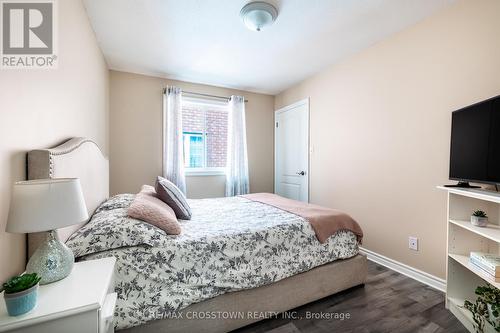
291	149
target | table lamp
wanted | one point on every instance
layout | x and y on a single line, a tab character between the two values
46	205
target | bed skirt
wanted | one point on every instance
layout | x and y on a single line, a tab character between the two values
277	297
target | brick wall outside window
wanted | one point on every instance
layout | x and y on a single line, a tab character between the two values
212	122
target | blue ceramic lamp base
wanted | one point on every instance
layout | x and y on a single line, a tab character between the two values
52	261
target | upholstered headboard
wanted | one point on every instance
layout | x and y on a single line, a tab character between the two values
75	158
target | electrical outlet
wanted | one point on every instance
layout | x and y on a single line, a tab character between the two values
413	243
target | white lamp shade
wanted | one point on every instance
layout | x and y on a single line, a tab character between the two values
46	204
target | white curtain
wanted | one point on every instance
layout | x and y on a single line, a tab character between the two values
237	159
173	159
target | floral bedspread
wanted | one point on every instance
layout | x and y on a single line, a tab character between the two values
229	244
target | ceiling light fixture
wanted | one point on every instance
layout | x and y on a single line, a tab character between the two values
258	15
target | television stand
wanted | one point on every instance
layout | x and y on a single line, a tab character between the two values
463	185
462	277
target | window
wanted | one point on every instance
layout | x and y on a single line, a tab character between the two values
204	136
194	150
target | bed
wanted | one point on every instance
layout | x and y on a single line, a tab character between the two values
235	257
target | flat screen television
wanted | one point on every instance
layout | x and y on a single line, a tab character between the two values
475	144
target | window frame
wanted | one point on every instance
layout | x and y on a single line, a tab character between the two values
203	171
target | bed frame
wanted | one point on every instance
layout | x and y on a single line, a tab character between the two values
82	158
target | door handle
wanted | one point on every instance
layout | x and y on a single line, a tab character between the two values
302	173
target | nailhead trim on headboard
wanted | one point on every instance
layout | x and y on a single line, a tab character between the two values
54	151
66	150
51	166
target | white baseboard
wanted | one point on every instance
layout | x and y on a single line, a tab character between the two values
416	274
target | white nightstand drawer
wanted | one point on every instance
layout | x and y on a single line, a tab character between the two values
84	322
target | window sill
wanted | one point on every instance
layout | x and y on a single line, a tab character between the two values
205	172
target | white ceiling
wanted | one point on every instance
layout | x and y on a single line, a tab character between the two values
204	41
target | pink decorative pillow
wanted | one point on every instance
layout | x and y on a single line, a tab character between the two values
148	208
148	189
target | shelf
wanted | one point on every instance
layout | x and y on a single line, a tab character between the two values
491	231
464	261
473	193
462	275
456	307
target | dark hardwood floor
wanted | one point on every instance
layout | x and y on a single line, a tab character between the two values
389	302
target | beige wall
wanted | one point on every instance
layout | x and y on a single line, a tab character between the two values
135	135
380	127
40	108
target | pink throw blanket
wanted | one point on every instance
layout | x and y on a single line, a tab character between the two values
324	221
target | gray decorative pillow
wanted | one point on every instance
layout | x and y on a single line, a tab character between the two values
172	196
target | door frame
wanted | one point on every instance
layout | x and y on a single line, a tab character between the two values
306	102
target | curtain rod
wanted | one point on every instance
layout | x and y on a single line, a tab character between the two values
207	95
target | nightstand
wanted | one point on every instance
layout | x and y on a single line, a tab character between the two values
83	302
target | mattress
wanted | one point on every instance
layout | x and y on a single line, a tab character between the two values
230	244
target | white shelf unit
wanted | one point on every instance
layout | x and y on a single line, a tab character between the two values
462	277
